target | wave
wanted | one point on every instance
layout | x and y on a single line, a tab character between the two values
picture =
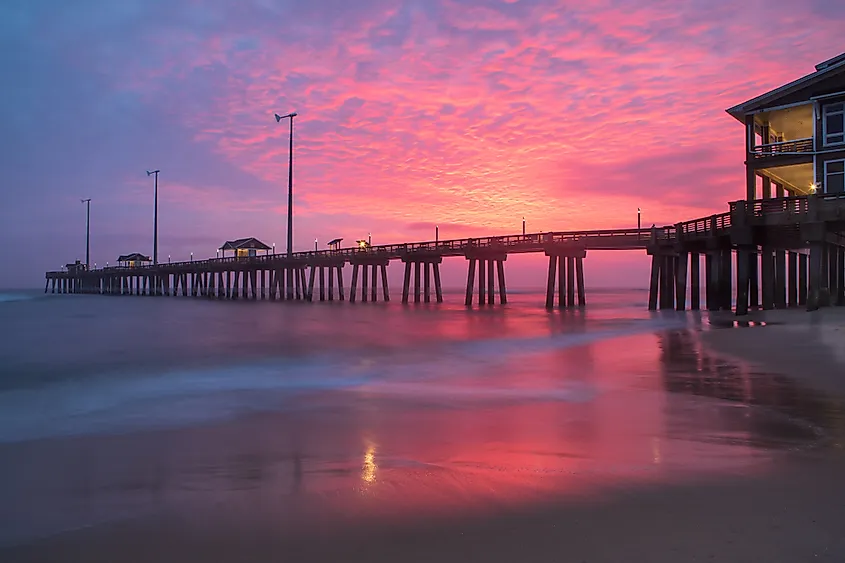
120	402
10	296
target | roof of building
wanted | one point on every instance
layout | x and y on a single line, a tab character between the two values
134	257
244	243
825	69
334	241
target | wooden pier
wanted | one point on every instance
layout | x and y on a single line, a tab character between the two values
772	253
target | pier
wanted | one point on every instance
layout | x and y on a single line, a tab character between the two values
772	253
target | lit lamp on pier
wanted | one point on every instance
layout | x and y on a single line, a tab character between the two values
315	245
168	258
436	234
192	256
274	248
639	221
814	187
523	226
369	239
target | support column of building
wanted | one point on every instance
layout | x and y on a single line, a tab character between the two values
792	280
727	279
695	281
681	281
754	278
840	293
743	278
818	291
780	279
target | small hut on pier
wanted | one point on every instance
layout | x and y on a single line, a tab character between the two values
244	247
334	244
134	260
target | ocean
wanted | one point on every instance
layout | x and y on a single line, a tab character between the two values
117	407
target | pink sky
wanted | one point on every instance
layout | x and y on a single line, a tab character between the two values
465	114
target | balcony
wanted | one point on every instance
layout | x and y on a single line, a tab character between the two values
796	147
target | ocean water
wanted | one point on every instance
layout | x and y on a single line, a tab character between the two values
113	407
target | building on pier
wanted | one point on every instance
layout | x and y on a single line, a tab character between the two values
244	247
134	260
795	135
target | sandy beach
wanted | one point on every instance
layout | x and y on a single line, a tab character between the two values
790	510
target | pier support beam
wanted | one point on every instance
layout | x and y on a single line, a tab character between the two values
566	268
371	267
426	266
490	265
695	281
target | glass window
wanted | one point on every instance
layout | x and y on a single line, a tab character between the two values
834	176
834	124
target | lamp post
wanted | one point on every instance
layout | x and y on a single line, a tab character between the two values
639	222
168	258
192	256
523	226
436	234
369	239
315	245
87	232
274	248
155	217
290	180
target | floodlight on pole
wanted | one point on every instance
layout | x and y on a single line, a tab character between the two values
290	180
155	216
87	233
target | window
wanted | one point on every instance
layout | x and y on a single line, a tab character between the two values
834	176
833	124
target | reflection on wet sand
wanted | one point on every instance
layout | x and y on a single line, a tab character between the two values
688	367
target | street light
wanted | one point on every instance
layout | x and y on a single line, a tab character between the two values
155	217
274	248
168	258
290	180
523	226
639	221
436	234
315	245
87	232
369	239
192	256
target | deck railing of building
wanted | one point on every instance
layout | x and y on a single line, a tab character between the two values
798	146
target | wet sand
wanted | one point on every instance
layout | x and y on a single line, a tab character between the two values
790	510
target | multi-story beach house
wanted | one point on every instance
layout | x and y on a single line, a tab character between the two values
795	135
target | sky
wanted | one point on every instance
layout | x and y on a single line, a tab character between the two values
466	114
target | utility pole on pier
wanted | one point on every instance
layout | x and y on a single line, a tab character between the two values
155	217
290	180
87	233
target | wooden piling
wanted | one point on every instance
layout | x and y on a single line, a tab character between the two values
561	281
582	290
437	288
491	285
681	282
571	266
695	281
503	294
417	282
354	286
374	288
427	283
384	289
654	282
406	285
470	282
340	282
550	285
482	286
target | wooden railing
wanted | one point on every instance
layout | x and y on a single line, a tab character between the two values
705	226
799	146
533	242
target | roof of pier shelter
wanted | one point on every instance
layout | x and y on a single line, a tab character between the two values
134	257
244	243
828	78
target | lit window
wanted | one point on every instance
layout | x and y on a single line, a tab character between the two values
834	176
833	124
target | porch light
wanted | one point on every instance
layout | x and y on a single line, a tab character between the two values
814	188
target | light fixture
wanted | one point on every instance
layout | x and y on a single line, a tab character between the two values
814	187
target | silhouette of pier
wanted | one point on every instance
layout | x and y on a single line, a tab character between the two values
740	250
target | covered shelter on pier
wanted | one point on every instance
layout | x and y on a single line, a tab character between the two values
243	247
334	244
134	260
